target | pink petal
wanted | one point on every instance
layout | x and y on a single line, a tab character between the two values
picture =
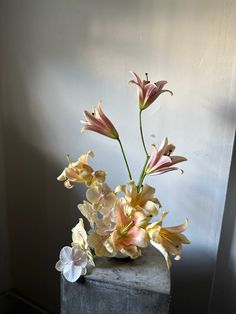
177	159
138	79
153	159
96	129
91	119
136	236
164	170
104	119
160	84
121	218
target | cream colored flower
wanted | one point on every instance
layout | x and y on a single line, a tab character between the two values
80	239
81	172
144	200
168	240
88	211
102	197
103	200
101	245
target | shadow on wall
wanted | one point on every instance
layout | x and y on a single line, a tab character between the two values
189	284
41	212
224	288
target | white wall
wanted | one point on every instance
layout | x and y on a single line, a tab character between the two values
60	58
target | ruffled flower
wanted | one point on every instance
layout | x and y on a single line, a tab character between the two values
161	160
81	172
168	240
101	245
88	211
102	197
148	92
72	263
144	200
98	122
80	240
101	208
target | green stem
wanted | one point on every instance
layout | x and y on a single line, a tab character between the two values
126	162
68	158
141	132
142	176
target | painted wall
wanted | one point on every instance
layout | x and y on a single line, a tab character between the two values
62	57
224	285
4	243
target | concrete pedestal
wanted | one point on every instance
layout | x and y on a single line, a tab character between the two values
118	286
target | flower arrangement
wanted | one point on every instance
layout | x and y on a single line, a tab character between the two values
123	220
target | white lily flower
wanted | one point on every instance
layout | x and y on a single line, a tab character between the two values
72	263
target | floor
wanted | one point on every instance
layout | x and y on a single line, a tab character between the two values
12	303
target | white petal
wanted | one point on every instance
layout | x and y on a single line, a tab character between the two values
177	257
72	272
66	255
80	257
59	266
93	195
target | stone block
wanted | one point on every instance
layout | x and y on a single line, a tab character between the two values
120	286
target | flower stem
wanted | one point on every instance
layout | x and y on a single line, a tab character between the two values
141	132
68	159
142	175
126	162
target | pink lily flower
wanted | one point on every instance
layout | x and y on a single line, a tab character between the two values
129	232
148	92
161	160
98	122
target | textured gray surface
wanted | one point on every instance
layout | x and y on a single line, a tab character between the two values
148	272
120	286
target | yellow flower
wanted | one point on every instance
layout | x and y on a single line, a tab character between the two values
81	172
80	239
144	200
168	240
101	245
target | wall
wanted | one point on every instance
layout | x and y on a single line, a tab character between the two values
60	58
4	243
224	285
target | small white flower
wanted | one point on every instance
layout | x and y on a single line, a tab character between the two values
72	263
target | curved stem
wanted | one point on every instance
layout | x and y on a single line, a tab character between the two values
141	132
126	162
